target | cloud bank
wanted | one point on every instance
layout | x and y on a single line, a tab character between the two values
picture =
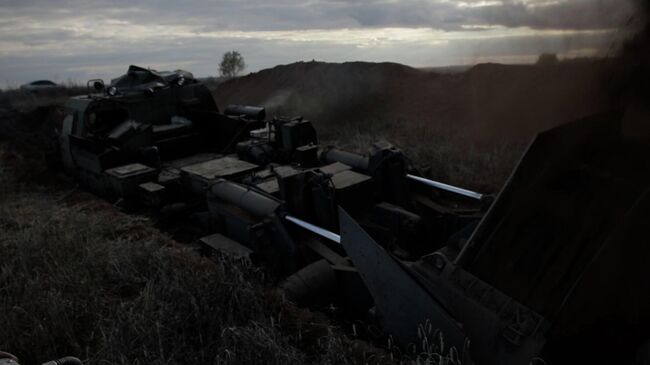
75	40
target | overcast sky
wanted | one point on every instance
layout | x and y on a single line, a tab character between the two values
75	40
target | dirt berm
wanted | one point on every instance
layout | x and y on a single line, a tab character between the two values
488	102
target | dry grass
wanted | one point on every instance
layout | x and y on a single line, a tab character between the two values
78	278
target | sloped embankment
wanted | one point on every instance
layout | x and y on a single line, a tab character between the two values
488	102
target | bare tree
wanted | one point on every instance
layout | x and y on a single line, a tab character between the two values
232	64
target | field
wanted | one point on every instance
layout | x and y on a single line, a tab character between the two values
79	277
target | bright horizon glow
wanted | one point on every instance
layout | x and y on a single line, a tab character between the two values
134	34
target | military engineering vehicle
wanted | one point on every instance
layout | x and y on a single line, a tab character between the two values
539	274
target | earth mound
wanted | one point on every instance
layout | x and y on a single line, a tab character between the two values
488	102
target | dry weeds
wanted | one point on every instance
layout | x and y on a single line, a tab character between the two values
78	278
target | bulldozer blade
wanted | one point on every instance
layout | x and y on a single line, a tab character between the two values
402	303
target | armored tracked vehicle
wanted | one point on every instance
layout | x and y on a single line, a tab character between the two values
261	189
539	274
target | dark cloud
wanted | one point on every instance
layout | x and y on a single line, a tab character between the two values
79	39
448	15
567	15
330	14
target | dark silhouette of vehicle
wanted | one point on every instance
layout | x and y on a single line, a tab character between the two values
40	85
555	267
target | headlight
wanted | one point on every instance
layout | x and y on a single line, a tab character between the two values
111	91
